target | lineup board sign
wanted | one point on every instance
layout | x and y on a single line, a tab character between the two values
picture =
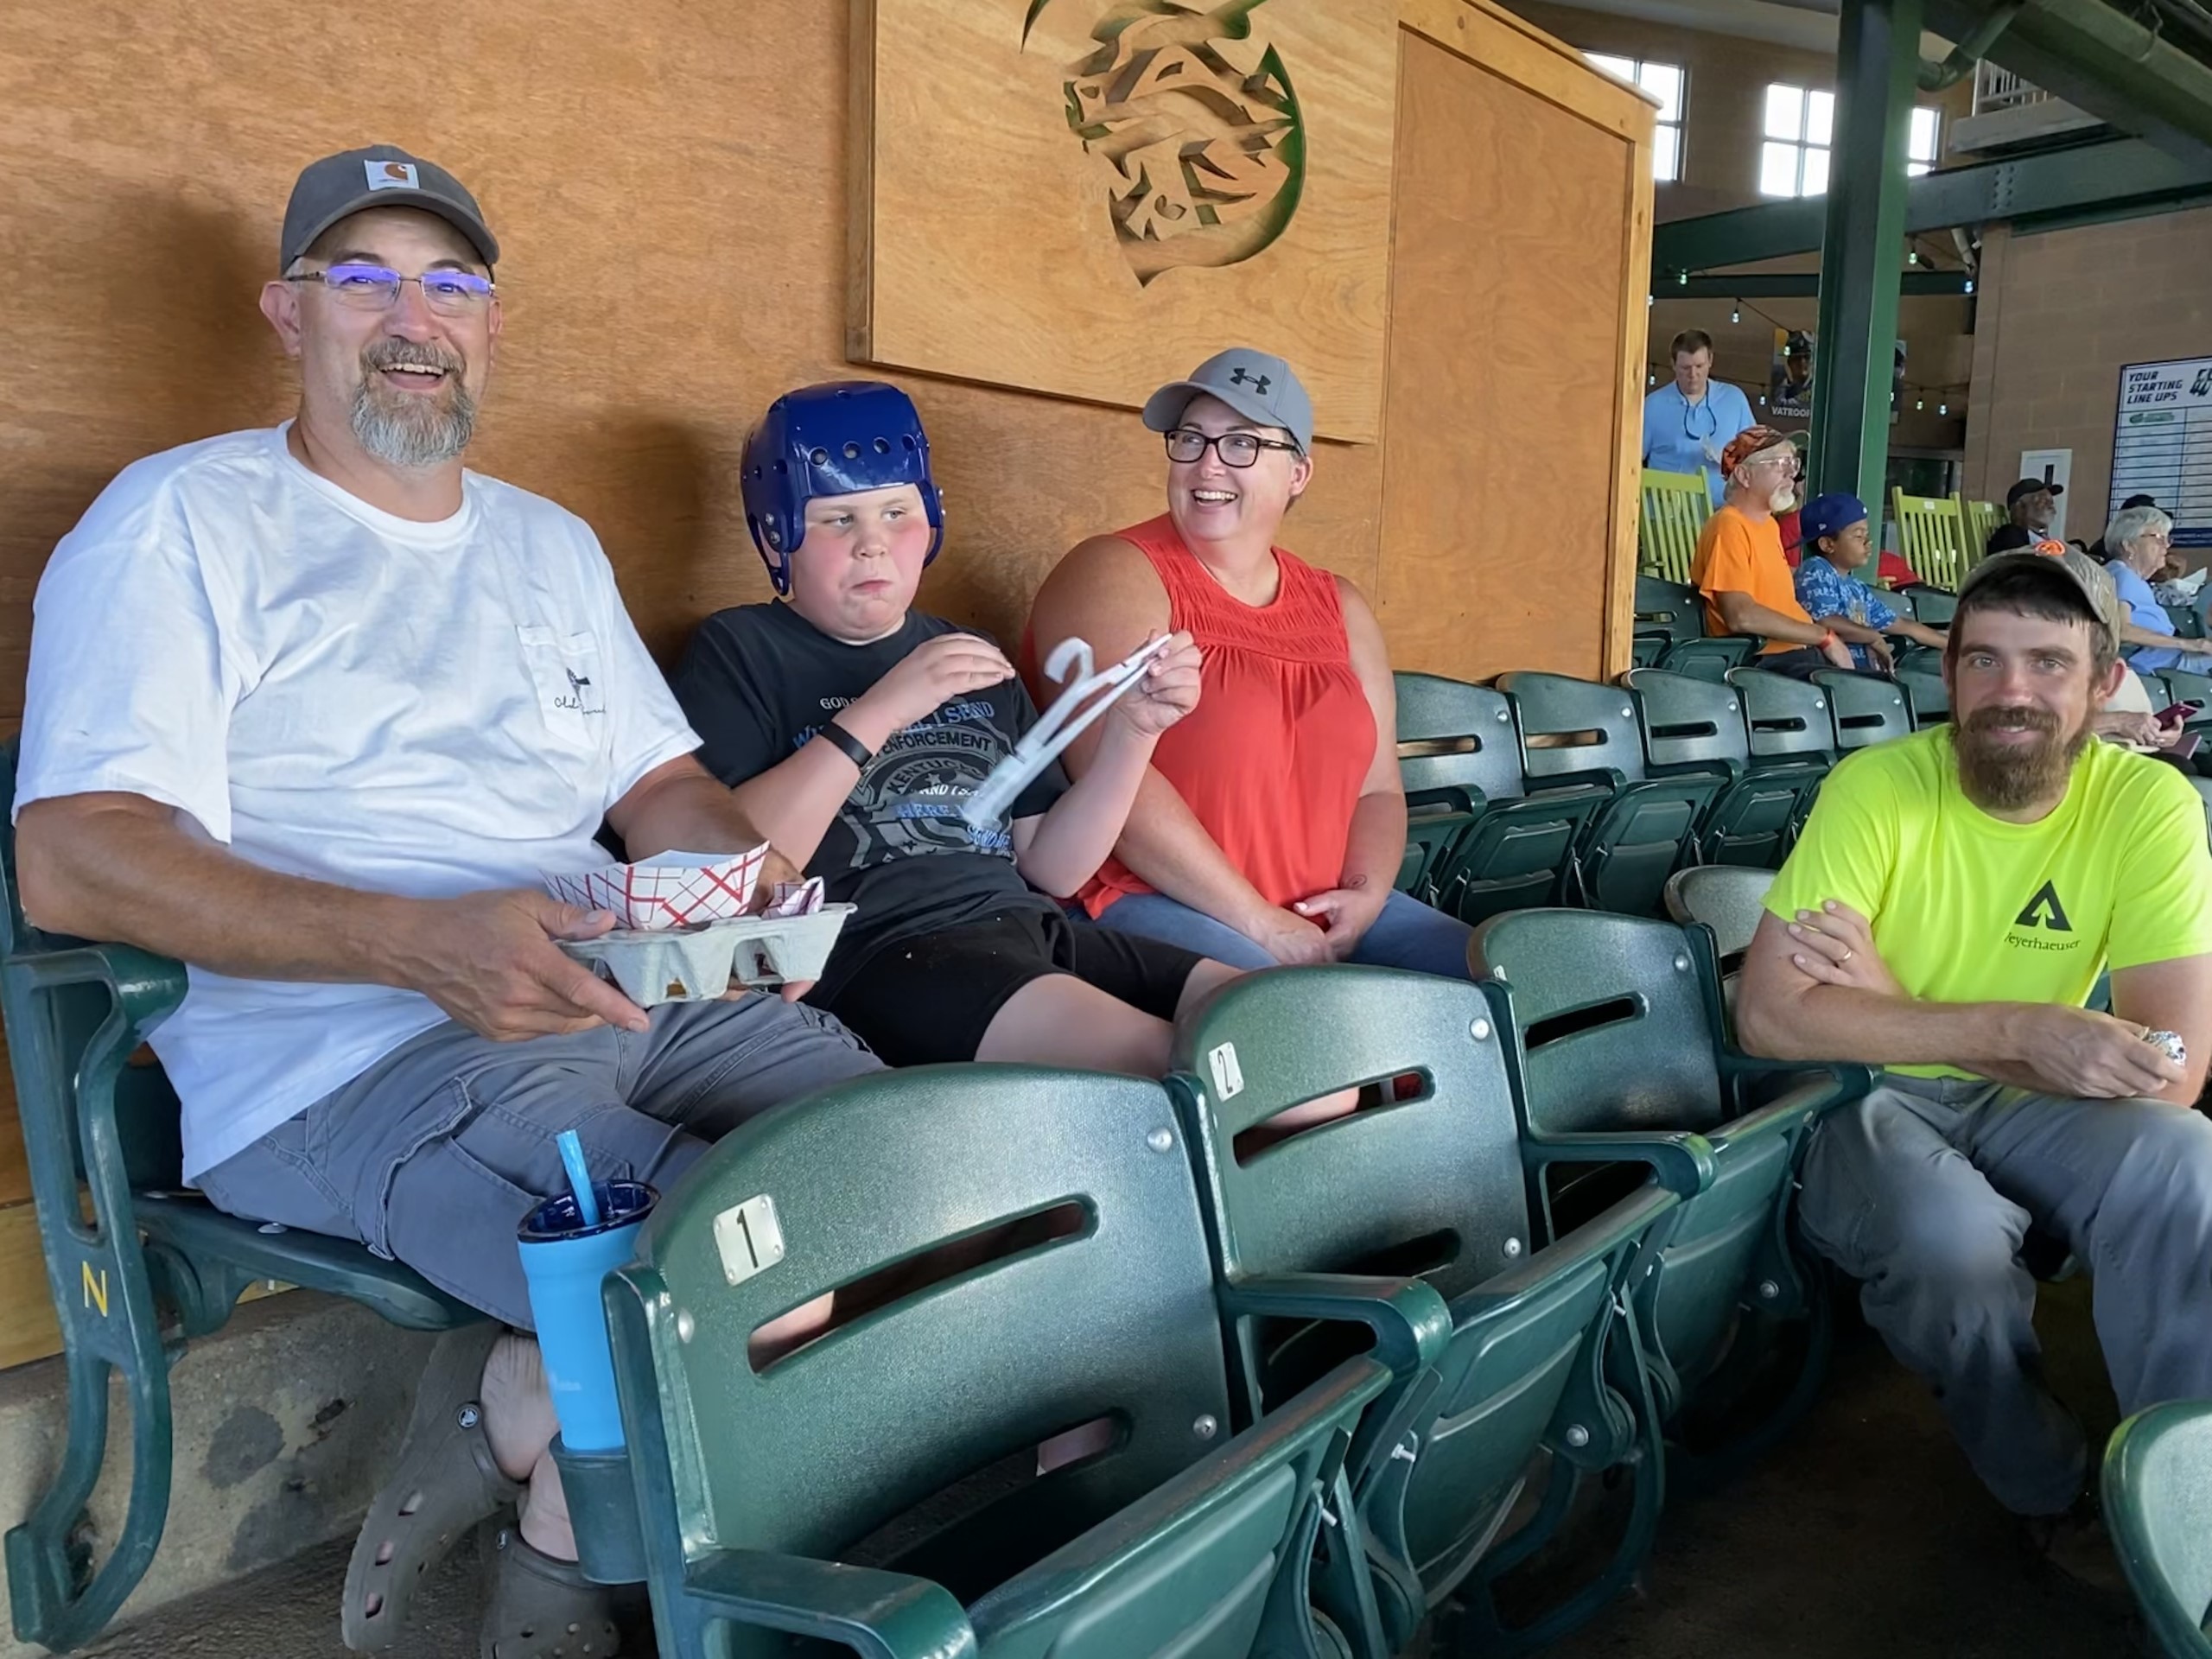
2162	445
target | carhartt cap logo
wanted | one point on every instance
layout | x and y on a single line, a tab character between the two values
391	175
2045	910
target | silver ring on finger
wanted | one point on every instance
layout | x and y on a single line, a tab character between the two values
1846	957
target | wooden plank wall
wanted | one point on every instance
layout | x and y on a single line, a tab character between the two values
668	181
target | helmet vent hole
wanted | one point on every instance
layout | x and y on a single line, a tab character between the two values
883	446
852	451
820	457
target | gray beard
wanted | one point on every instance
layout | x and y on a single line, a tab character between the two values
413	432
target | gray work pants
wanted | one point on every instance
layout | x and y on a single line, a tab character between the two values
1923	1191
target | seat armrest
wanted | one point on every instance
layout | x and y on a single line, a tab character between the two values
879	1615
1409	1319
1828	1082
1682	1160
146	988
1626	1222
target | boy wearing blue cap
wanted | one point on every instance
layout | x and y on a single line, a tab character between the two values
856	727
1838	541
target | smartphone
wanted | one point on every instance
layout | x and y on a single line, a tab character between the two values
2174	711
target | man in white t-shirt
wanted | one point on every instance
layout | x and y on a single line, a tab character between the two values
314	709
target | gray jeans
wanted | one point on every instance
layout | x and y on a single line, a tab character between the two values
1924	1189
434	1155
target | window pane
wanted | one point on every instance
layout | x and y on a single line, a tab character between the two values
1777	169
1785	112
1624	68
1667	154
1816	173
1664	82
1820	118
1926	128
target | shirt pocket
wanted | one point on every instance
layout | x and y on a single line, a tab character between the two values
565	672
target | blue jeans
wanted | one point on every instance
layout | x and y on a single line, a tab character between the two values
1407	934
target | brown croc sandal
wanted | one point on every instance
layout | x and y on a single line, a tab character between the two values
447	1481
538	1608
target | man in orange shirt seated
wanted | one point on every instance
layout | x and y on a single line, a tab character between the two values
1739	569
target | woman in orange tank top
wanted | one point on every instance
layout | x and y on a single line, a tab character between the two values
1272	823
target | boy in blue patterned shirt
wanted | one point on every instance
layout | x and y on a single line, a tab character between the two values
1837	543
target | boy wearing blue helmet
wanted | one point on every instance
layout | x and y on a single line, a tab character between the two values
1838	545
853	728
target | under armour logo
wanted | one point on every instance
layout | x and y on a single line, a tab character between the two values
1238	377
2045	910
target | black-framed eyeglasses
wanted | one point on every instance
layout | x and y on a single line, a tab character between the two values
376	288
1187	444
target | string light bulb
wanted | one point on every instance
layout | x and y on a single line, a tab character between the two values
1942	409
1737	315
1920	403
1969	284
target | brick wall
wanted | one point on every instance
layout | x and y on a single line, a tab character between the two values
2060	313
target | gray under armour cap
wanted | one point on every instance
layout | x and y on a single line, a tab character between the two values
1256	384
381	176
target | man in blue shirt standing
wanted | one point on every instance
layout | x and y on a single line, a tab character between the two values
1688	424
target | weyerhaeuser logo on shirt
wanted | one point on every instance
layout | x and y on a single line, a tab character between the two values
2043	912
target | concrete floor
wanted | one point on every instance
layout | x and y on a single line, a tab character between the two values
1866	1535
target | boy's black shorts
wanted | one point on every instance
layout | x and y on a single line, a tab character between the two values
916	1002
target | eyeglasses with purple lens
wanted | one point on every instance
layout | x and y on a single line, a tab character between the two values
376	288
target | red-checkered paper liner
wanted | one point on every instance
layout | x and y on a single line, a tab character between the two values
664	895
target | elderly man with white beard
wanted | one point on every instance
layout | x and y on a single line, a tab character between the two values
1954	897
1739	567
314	709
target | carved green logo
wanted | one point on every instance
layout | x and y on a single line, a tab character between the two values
1187	114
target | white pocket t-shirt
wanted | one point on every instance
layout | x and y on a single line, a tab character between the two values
333	692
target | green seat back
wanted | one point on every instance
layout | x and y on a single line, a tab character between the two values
1616	1024
1579	731
1709	658
1788	718
2157	1504
1671	608
1686	724
1981	519
1430	1183
1645	650
1866	708
2188	625
1459	753
1674	506
1929	697
1729	900
1935	607
887	1421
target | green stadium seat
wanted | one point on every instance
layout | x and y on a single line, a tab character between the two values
1645	650
1576	731
1866	708
2187	624
1728	901
1428	1179
1496	844
1671	608
878	1488
1694	726
2182	686
1617	1038
1710	657
2157	1503
1935	607
94	1122
1928	698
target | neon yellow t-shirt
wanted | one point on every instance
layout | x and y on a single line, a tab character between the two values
1968	908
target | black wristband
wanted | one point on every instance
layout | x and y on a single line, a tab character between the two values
846	744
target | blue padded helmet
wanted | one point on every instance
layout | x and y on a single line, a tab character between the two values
833	439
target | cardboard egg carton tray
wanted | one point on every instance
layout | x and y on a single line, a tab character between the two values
697	964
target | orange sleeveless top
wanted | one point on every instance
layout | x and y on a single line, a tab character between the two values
1272	759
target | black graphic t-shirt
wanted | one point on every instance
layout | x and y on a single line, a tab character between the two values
761	680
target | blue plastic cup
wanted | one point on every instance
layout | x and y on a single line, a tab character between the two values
564	1261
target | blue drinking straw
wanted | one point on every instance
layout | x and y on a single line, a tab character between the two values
572	1158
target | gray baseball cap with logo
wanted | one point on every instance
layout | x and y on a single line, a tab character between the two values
1256	384
381	176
